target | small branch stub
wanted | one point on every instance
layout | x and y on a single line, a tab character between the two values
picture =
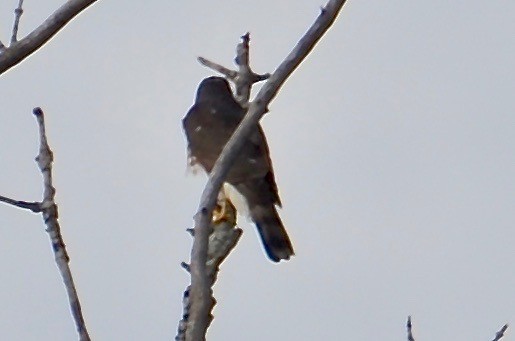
409	328
33	206
17	15
500	333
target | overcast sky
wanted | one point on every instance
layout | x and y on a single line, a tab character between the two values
393	146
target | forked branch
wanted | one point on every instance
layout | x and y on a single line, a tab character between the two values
19	50
200	296
48	208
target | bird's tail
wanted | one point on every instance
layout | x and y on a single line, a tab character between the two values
273	234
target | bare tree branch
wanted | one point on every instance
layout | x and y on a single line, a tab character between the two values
224	235
49	211
244	77
17	15
231	74
222	241
33	206
200	297
20	50
408	327
500	333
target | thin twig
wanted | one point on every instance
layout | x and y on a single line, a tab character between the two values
17	15
200	290
33	206
231	74
23	48
500	333
49	210
409	326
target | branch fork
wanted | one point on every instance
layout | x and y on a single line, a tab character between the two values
199	294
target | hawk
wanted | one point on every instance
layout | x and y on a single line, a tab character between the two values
208	126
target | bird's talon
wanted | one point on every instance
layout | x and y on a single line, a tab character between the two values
219	213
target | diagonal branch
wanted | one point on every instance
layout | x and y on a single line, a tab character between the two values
500	333
20	50
231	74
200	290
49	210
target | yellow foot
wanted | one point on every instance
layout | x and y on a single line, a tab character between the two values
224	211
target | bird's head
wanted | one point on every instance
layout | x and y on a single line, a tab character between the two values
213	87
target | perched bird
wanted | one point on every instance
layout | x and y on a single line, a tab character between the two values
208	126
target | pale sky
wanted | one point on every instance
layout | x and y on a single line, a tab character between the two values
393	146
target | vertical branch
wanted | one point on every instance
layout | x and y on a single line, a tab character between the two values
245	77
408	327
50	215
17	15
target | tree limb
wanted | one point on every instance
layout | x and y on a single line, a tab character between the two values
500	333
244	78
200	291
408	327
224	235
231	74
222	241
49	211
33	206
20	50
